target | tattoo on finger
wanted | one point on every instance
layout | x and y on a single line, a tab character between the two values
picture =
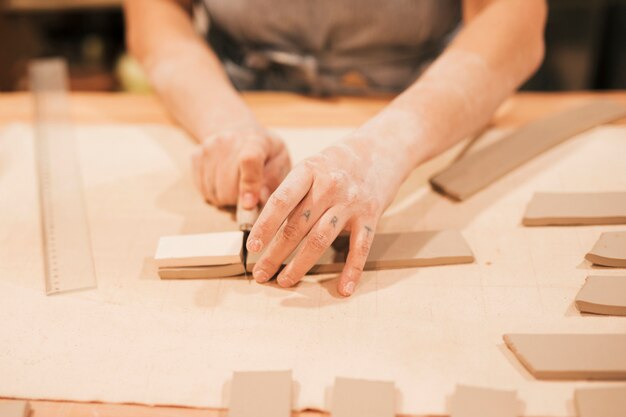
307	214
369	230
334	221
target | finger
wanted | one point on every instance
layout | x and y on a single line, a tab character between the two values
286	197
251	163
361	240
314	245
298	224
196	170
226	180
208	178
276	169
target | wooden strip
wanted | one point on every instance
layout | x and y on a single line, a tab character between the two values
255	394
601	402
388	251
361	398
15	408
477	170
483	402
571	356
200	249
547	209
609	250
603	295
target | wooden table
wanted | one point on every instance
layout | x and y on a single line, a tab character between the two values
277	109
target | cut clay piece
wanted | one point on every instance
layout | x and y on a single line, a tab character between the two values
483	402
477	170
389	250
203	272
361	398
601	402
609	250
557	209
571	356
603	295
14	408
255	394
201	249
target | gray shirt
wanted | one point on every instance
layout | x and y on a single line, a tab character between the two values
329	46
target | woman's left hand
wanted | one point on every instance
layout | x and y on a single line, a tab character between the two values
346	186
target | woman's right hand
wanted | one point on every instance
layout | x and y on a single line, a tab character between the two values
240	166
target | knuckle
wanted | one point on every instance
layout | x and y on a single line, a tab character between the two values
363	248
290	233
268	264
352	196
263	229
206	150
356	270
220	141
280	199
372	206
251	156
309	164
319	241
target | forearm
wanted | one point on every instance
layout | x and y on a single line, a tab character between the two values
183	70
494	53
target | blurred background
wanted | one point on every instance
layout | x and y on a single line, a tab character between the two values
586	44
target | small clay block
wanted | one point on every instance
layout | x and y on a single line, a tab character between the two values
561	209
571	356
601	402
479	169
259	394
362	398
200	249
609	250
483	402
603	295
16	408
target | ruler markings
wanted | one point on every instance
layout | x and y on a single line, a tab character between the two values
68	258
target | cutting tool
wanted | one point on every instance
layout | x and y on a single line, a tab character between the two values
245	220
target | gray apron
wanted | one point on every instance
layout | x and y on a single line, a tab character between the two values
327	47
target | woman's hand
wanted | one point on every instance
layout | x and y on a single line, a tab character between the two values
348	185
241	166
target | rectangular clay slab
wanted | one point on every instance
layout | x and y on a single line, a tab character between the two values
557	209
476	171
201	249
264	393
389	250
483	402
603	295
609	250
571	356
362	398
601	402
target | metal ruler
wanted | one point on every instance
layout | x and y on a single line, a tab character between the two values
66	244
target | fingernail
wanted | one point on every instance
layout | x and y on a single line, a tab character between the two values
248	200
348	288
284	281
254	245
260	275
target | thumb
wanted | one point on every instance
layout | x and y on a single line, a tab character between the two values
251	163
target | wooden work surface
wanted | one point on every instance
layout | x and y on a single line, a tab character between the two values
272	109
